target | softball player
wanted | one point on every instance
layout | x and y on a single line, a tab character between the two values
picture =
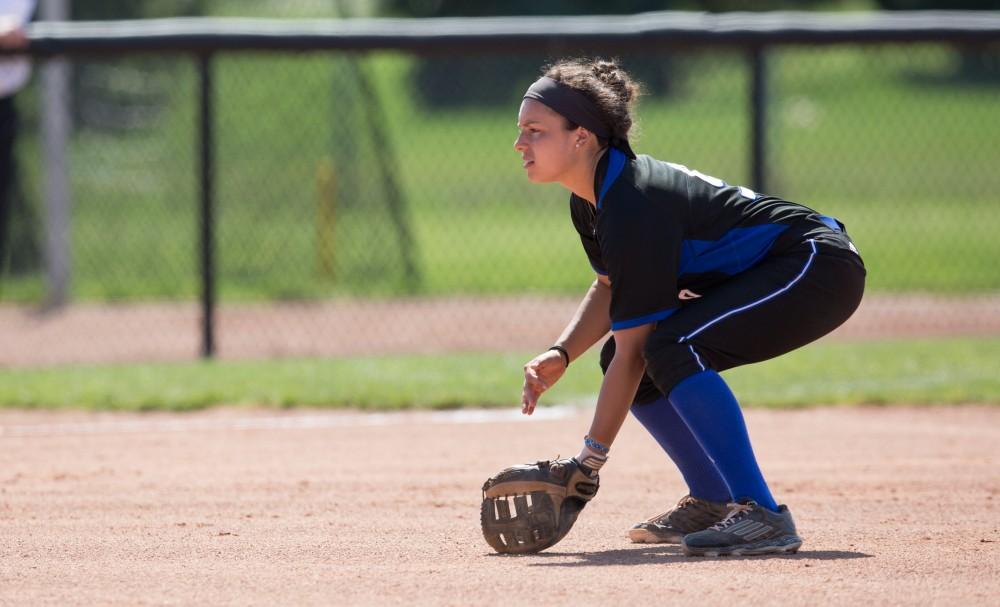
694	276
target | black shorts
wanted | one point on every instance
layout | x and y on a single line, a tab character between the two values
788	300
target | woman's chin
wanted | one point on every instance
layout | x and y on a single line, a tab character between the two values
534	176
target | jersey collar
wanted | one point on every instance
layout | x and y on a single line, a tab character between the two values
616	163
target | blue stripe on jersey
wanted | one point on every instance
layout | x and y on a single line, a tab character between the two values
598	270
642	320
616	162
737	250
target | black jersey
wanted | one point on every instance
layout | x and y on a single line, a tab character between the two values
663	233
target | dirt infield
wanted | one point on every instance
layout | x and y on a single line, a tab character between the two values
99	333
232	506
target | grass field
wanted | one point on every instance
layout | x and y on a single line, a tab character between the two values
900	371
882	138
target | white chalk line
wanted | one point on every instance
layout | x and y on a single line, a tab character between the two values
292	421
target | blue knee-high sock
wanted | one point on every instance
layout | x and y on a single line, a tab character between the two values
665	425
710	410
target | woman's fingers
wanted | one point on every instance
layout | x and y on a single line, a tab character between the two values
527	405
534	385
529	399
532	376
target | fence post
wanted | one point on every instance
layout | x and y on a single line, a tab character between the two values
758	117
206	217
56	126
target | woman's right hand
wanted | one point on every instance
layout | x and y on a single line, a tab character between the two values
540	374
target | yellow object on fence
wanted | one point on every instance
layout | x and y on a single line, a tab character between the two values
326	216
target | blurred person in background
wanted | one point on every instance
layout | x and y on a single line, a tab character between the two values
14	74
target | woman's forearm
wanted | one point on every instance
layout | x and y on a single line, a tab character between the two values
590	323
617	392
620	383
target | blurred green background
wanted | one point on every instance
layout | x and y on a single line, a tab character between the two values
888	372
385	175
889	139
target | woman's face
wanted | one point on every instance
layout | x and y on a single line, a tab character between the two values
545	144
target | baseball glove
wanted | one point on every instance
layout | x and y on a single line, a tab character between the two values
530	507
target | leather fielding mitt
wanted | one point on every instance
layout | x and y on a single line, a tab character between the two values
530	507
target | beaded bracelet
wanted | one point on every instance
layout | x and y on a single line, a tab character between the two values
562	351
596	446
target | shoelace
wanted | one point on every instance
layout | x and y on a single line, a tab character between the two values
685	502
735	515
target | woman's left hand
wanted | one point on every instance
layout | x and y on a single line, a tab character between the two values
540	374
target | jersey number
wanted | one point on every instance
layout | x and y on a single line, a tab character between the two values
713	181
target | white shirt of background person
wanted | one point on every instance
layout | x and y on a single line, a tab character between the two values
14	72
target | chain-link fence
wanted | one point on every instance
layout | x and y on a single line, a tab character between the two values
372	202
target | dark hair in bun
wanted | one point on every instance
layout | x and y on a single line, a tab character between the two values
606	83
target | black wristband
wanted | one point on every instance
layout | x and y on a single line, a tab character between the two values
562	351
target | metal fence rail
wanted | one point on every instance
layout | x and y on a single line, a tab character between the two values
363	198
648	31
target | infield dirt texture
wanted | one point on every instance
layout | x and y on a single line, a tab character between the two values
236	507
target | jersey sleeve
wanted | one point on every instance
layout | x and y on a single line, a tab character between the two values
641	245
583	221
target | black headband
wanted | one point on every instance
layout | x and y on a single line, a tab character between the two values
577	108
